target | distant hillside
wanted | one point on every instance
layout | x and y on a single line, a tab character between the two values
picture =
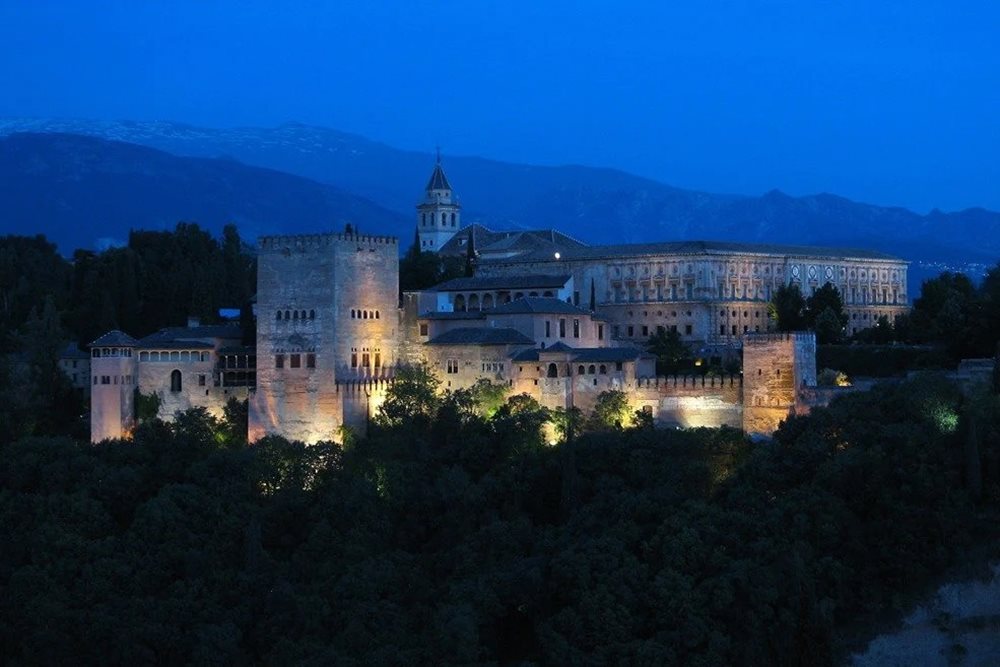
86	192
595	205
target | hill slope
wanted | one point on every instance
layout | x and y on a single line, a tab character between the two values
595	205
86	191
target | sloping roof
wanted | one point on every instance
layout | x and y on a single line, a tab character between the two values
438	180
537	304
503	283
448	315
699	248
490	242
482	336
186	337
584	354
114	338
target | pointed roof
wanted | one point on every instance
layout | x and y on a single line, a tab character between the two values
114	338
438	180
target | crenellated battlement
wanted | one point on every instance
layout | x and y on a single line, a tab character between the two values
311	241
358	385
778	337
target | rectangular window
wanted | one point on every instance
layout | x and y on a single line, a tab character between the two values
548	329
645	330
279	361
201	380
576	328
423	329
378	360
365	360
618	365
452	366
615	330
600	332
296	360
310	361
687	329
105	379
354	359
95	379
631	331
562	328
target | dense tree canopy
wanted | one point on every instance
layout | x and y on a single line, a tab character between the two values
464	538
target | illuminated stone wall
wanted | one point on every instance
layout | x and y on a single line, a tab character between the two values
154	378
329	301
112	397
719	295
775	367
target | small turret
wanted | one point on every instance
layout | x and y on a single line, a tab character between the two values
113	377
439	214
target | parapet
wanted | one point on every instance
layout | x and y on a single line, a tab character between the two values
309	241
779	337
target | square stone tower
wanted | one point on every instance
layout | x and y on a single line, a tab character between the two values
327	311
775	367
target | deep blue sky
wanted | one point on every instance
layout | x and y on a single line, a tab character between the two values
889	102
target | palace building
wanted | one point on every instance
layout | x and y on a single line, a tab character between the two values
544	314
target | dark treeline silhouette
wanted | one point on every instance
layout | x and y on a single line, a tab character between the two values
454	534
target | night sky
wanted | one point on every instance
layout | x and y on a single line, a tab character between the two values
888	102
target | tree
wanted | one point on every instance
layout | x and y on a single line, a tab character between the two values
611	411
787	308
672	354
412	398
825	298
829	328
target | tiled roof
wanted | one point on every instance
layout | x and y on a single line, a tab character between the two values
698	248
537	304
482	336
178	337
584	354
518	240
174	345
502	283
114	338
438	180
448	315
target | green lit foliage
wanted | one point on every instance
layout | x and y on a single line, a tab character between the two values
412	398
611	411
469	540
147	406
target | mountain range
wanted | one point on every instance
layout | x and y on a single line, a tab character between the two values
62	176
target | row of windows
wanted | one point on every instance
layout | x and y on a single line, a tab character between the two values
295	360
493	367
552	370
644	330
98	352
366	360
184	355
659	313
444	219
112	379
357	314
295	315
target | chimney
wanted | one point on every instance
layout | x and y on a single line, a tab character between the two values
193	322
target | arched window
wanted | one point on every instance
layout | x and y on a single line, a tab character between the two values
444	218
473	302
548	293
175	380
376	315
553	371
423	219
277	315
295	314
487	301
288	315
459	303
303	315
452	219
312	314
352	313
581	370
364	314
603	370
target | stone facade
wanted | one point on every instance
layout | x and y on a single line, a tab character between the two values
544	314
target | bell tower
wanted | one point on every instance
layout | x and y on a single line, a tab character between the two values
439	214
